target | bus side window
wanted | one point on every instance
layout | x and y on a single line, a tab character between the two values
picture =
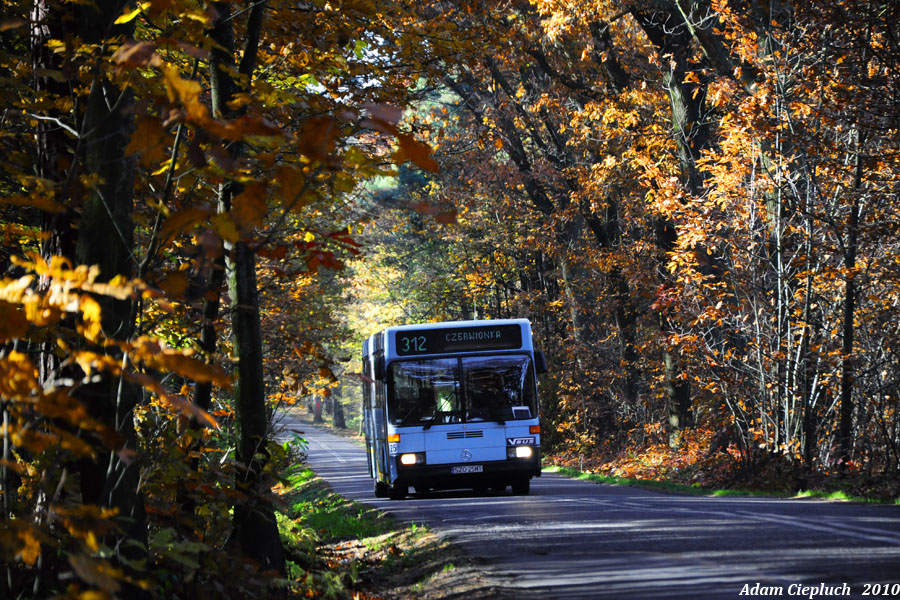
379	394
367	385
521	412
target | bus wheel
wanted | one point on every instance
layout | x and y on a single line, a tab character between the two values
521	487
421	489
398	492
381	489
498	489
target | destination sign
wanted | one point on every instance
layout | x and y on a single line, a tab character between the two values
458	339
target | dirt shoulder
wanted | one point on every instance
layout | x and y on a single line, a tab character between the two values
405	561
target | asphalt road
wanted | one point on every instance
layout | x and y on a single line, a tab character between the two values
571	539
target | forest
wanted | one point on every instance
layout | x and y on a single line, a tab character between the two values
205	207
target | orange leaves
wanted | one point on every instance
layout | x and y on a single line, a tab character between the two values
186	104
293	185
13	323
180	221
384	118
43	201
132	54
442	216
21	539
156	357
150	140
249	207
317	137
417	152
174	284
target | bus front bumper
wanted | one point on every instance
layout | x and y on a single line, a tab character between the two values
487	474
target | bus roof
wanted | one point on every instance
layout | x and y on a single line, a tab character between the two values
451	324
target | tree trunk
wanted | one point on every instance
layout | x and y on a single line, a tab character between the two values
106	238
338	412
845	429
254	524
103	237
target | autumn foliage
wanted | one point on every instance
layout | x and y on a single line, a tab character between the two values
174	173
695	203
204	206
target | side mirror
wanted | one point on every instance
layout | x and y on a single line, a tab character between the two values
379	368
540	362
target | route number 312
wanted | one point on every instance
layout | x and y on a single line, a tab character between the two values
411	345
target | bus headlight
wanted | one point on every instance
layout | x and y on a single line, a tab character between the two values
412	458
520	452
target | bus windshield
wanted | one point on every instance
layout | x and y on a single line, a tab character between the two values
458	390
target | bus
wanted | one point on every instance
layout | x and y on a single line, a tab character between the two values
452	405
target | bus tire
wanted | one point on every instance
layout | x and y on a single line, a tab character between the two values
521	487
398	492
381	489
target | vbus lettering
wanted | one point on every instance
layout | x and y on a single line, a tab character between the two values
520	441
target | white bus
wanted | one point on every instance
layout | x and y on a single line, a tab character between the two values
452	405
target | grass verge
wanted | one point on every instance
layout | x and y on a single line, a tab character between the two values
337	548
696	490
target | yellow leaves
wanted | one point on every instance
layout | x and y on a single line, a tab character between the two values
185	93
91	326
129	16
20	376
225	227
76	291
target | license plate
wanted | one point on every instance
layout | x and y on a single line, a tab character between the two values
461	470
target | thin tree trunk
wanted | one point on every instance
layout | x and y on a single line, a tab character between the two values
672	34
